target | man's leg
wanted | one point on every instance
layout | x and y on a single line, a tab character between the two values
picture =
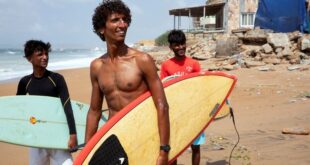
196	148
38	156
195	154
61	157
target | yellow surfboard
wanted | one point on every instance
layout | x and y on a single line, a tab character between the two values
131	136
225	109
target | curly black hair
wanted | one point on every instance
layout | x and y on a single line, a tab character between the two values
176	36
32	46
105	9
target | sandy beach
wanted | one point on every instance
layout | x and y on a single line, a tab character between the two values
264	103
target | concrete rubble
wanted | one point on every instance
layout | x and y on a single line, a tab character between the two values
246	48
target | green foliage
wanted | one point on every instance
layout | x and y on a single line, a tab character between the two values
162	40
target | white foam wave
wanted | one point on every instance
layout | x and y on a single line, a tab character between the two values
12	67
76	63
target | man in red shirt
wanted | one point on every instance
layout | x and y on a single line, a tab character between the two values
181	65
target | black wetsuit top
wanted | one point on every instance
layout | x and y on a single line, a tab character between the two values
50	84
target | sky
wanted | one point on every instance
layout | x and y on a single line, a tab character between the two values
67	23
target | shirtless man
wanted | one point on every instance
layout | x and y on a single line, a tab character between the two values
123	74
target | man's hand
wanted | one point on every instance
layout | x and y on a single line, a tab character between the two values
162	158
72	141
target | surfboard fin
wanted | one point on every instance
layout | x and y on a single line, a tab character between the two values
110	152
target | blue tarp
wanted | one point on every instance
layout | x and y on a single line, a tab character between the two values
282	15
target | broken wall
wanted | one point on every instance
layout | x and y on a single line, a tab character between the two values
248	6
233	15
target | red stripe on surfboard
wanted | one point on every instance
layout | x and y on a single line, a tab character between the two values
110	123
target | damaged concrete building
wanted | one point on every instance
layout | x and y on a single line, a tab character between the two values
226	39
217	16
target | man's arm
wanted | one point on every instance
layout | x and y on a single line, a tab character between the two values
63	93
94	113
65	100
146	63
197	67
163	72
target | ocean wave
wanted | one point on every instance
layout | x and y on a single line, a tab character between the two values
13	74
70	64
6	70
11	52
12	67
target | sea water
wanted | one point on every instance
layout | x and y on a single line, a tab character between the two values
14	65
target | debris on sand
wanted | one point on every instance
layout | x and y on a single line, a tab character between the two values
296	131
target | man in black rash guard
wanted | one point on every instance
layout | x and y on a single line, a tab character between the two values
46	83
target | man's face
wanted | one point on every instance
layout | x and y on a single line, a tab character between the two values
179	49
116	27
39	59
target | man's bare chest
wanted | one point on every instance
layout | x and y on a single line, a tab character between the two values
126	77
